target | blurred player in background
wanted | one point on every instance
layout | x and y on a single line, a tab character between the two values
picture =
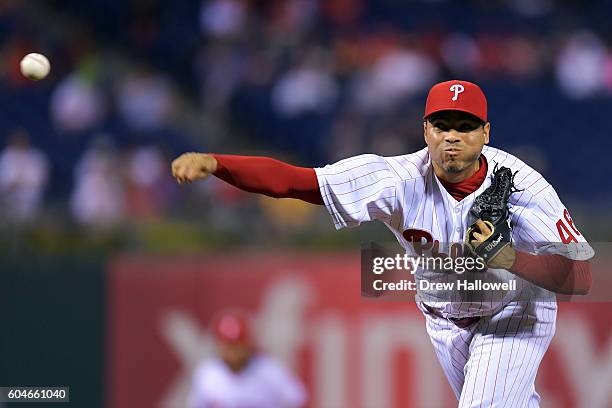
240	376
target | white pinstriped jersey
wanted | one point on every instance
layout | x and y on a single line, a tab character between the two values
404	193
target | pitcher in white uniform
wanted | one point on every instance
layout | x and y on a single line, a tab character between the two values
242	377
490	348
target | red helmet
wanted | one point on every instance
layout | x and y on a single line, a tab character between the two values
232	327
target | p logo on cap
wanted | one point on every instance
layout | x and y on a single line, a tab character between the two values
457	95
457	89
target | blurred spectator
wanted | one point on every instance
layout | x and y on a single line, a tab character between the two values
146	171
98	196
460	53
145	100
240	375
581	65
24	172
223	18
307	87
521	57
399	74
77	104
219	69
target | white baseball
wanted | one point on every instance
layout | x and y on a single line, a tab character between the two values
35	66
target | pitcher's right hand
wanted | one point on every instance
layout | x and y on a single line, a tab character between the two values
189	167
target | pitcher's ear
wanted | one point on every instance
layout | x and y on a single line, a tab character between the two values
487	132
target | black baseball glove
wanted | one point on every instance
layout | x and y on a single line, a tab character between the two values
492	208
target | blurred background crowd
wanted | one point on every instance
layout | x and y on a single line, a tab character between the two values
135	83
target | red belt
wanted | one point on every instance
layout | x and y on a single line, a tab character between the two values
462	322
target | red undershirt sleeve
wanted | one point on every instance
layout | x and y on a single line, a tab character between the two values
554	272
268	176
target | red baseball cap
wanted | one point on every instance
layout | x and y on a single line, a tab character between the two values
232	327
459	96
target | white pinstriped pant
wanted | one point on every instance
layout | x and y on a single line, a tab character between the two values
493	363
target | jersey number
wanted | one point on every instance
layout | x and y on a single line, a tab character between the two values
567	234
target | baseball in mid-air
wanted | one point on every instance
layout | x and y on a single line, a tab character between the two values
35	66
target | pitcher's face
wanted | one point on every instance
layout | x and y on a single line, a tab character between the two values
455	140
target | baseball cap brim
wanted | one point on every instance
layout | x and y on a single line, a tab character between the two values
453	110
